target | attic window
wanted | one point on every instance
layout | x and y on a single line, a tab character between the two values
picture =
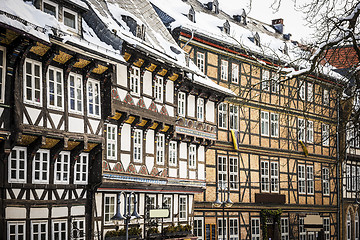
70	18
191	14
140	31
257	39
50	8
227	27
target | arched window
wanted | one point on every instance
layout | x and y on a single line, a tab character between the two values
357	226
348	226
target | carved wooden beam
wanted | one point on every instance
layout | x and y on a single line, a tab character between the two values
69	65
76	151
48	57
55	151
158	128
88	69
124	116
35	146
136	121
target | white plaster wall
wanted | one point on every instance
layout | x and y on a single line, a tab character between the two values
201	171
149	163
56	120
150	141
210	111
147	81
125	143
121	72
191	200
39	213
173	172
122	93
77	210
176	204
125	160
192	174
34	114
183	150
191	106
170	110
98	199
76	125
183	169
170	91
15	212
59	212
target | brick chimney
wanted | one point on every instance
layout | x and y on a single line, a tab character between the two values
278	25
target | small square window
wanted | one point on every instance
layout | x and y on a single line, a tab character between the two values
50	8
70	18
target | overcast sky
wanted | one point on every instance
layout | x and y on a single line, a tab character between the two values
261	10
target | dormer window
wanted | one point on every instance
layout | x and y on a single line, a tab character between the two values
257	39
243	17
191	14
140	31
216	6
50	8
70	18
227	27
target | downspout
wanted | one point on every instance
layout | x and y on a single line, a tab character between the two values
192	36
339	180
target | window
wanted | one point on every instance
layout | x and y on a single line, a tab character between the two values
160	148
265	84
224	70
39	230
274	124
55	88
138	145
310	179
264	172
348	178
41	167
356	225
310	92
173	153
81	169
353	178
235	73
326	97
325	135
200	59
62	168
234	229
269	171
302	90
70	18
159	89
233	172
221	229
358	178
274	175
200	109
78	229
309	131
111	137
17	165
264	123
2	73
222	115
59	230
181	104
16	231
198	229
93	95
182	208
284	228
222	171
135	81
255	228
326	225
75	93
348	226
275	83
192	156
32	82
302	231
50	8
301	179
109	208
167	203
234	118
301	129
325	181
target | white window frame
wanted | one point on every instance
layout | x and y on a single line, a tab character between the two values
64	170
233	229
325	181
301	129
173	153
222	170
160	149
18	162
348	226
181	104
358	178
275	83
110	202
326	97
233	117
265	80
111	141
52	4
222	116
134	74
2	74
222	227
76	223
200	109
302	90
310	179
327	229
95	100
77	90
33	77
348	177
41	160
264	123
274	123
76	18
255	228
192	156
58	96
199	228
159	89
60	222
301	179
264	175
284	229
81	169
224	70
325	135
233	173
17	233
310	92
169	205
138	146
356	225
274	177
38	234
353	178
183	208
309	131
200	61
234	73
302	231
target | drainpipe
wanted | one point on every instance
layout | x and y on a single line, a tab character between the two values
192	36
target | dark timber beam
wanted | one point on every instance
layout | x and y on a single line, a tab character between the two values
35	146
55	151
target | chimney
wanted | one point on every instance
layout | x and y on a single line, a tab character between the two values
278	25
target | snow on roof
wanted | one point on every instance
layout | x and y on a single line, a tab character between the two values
79	3
209	24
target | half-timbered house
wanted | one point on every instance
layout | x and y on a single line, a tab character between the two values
275	160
